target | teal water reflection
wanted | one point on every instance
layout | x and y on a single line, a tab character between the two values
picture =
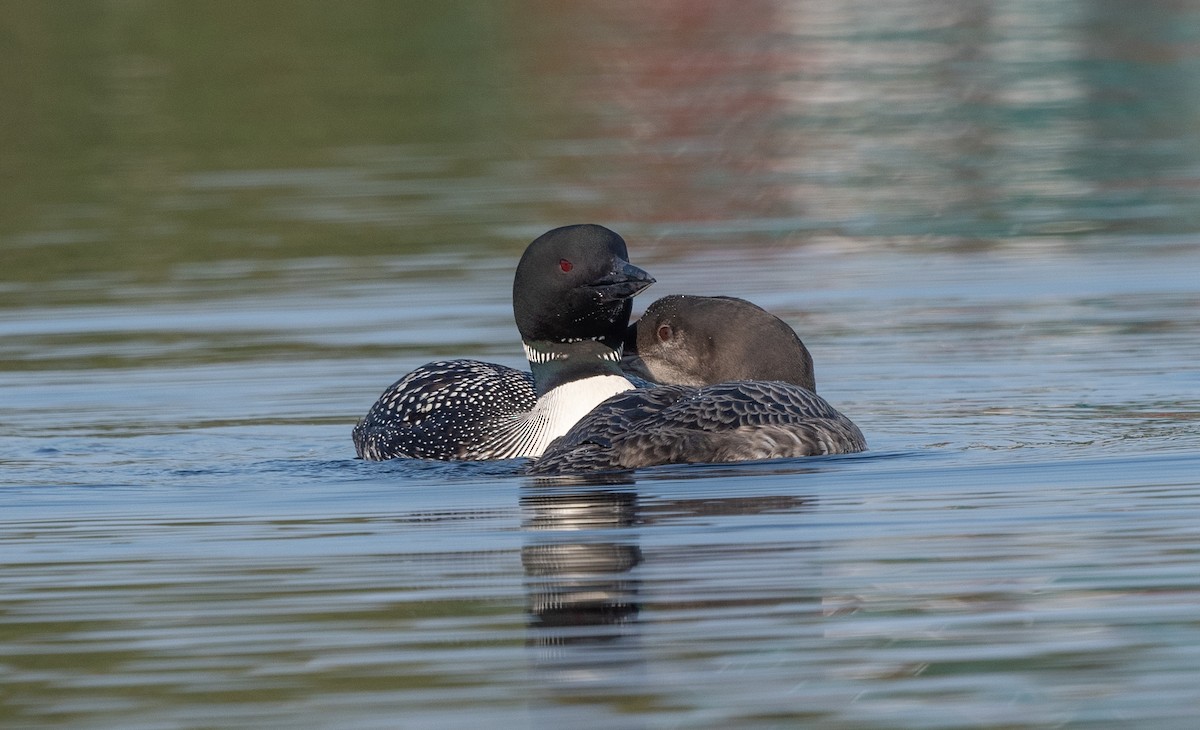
225	228
142	138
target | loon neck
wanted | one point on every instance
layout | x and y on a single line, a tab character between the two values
556	363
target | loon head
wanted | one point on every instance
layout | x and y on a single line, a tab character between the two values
691	340
574	284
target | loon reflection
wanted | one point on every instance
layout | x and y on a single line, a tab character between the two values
582	552
577	562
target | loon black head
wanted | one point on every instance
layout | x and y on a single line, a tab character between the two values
690	340
575	283
571	298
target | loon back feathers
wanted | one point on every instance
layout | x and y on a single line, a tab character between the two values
444	409
726	422
462	410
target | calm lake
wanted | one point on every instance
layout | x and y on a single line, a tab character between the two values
225	228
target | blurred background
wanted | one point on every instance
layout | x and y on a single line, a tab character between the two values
349	186
143	140
226	227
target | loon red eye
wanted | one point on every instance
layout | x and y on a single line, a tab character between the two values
665	332
565	265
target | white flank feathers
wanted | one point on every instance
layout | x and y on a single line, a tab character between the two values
555	413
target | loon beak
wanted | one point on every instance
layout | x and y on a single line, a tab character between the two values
623	282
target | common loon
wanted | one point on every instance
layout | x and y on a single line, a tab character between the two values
571	300
752	396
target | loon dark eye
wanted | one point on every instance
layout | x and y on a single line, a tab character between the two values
565	265
664	332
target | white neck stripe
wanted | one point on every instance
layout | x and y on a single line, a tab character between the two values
539	356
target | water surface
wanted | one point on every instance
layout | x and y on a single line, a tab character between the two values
224	233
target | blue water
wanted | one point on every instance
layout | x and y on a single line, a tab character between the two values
981	217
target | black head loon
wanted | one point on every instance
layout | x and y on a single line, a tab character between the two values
736	412
571	300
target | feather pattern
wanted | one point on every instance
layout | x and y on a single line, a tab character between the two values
472	410
735	421
446	407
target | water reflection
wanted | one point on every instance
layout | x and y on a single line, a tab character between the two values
224	230
972	120
582	597
576	557
584	567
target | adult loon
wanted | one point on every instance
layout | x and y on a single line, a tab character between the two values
751	396
572	299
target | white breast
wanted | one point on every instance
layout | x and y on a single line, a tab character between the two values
557	411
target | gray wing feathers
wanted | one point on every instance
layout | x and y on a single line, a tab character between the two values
727	422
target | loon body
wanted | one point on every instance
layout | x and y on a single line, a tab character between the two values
749	393
571	300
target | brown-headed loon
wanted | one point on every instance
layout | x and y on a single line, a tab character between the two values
745	391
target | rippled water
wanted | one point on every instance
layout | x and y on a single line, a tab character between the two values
224	234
